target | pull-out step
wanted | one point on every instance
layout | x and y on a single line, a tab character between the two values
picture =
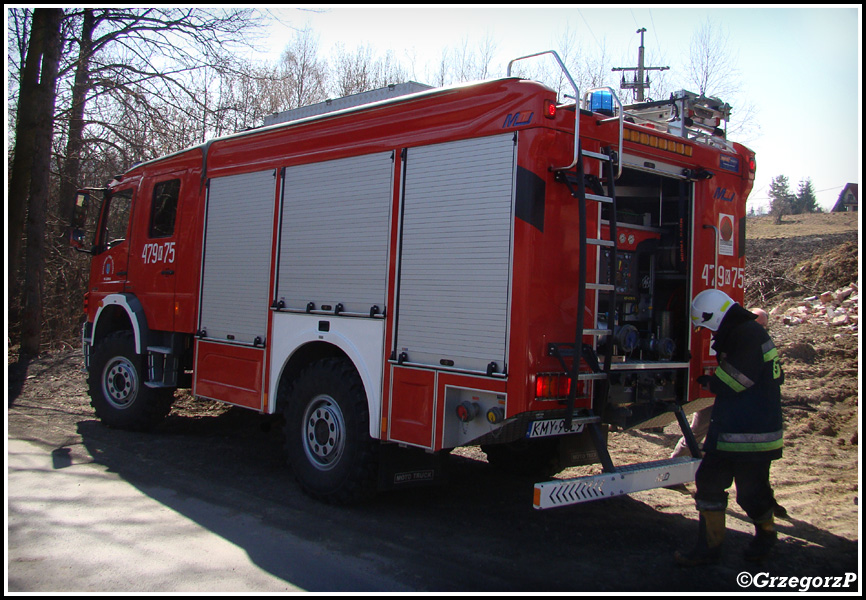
625	480
596	155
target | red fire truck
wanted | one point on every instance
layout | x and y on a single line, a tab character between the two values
470	265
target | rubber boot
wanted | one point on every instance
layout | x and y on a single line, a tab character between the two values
711	534
780	512
764	540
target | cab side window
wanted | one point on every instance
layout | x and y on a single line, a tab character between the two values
116	219
164	208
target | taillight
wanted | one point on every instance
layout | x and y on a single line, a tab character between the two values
549	109
552	386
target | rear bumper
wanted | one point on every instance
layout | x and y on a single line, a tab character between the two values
625	480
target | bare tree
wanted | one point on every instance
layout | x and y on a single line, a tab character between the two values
413	62
463	63
251	93
135	54
595	67
39	114
712	69
441	70
121	73
486	51
352	72
37	47
388	70
304	74
71	166
360	71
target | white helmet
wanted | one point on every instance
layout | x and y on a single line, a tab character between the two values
709	308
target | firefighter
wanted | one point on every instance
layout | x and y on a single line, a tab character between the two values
701	419
701	423
745	432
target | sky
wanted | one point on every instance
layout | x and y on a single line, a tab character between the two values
799	67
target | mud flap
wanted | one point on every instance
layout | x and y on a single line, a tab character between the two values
625	480
408	467
576	450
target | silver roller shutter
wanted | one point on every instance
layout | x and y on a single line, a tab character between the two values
456	253
334	234
237	257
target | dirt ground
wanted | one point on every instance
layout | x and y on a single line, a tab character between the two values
817	480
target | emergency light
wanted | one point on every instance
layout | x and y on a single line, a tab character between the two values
601	102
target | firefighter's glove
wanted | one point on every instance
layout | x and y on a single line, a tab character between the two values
704	381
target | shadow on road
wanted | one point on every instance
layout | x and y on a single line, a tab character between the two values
17	376
477	533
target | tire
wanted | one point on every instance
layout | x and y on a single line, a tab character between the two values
117	391
328	444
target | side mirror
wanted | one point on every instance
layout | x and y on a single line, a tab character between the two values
79	210
76	238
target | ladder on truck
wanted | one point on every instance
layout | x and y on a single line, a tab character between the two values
613	481
686	114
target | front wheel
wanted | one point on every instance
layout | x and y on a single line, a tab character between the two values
328	443
117	391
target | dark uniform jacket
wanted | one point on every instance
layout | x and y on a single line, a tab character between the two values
747	414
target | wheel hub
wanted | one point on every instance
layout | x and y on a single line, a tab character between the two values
324	432
120	383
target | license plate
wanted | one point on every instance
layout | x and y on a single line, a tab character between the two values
551	427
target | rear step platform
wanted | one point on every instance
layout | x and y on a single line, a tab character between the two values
624	480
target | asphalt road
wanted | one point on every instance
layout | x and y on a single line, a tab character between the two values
76	526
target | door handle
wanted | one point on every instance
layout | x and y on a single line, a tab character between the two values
167	272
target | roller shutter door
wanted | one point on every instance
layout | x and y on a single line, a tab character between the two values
334	234
456	254
237	257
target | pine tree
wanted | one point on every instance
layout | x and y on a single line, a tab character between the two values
781	198
806	201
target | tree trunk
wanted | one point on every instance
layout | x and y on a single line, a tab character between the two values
71	167
22	161
37	205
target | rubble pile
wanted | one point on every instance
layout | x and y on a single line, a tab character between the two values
837	309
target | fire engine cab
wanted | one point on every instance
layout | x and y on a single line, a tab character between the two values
461	266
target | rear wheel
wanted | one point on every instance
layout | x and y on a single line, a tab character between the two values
117	390
328	443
